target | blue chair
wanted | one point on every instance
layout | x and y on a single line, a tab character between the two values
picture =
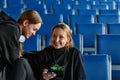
32	44
66	13
109	12
89	31
111	4
30	2
88	12
81	19
109	44
2	4
71	2
18	7
100	0
118	6
78	41
85	2
97	67
49	20
37	7
14	14
113	28
100	6
108	19
49	4
81	6
62	6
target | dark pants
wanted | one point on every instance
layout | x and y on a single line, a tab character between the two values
20	70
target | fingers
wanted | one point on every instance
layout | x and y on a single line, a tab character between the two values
48	75
45	70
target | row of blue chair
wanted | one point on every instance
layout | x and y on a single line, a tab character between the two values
80	26
52	4
71	4
42	8
91	19
41	41
89	31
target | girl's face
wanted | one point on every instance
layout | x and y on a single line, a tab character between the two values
30	29
59	38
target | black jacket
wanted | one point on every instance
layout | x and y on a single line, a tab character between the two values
71	63
9	39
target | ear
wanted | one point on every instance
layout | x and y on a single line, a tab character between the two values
25	22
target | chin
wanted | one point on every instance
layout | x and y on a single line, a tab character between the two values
56	47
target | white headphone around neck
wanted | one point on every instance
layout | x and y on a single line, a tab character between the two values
22	38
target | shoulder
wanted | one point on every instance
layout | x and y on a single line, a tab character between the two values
45	50
48	48
7	21
75	50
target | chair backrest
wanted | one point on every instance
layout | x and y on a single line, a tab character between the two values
66	13
89	31
81	19
109	12
88	12
78	41
109	44
49	20
113	28
97	67
81	6
111	4
108	19
32	44
100	6
61	6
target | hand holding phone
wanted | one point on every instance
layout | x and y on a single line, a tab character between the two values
48	75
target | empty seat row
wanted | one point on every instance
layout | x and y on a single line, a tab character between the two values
38	5
91	19
89	31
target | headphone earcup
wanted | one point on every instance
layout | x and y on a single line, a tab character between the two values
22	38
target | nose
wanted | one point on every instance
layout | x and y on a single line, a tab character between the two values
57	39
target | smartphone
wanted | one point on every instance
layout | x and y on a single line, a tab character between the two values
50	73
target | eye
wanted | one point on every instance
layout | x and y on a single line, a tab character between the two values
61	37
54	36
35	29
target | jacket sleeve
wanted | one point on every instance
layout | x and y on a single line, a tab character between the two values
35	59
79	72
9	42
